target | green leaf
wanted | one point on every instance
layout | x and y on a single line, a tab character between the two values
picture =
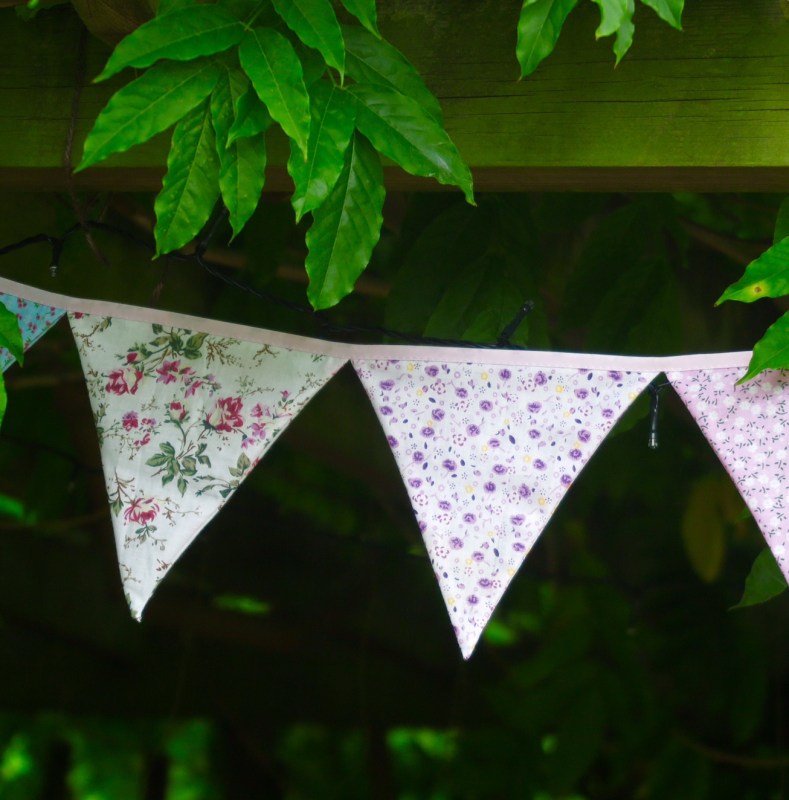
166	6
251	117
157	99
189	466
242	604
539	27
167	448
275	71
612	15
371	60
346	226
315	23
771	351
182	486
159	460
180	35
782	222
400	129
195	341
764	581
242	164
3	398
767	276
243	462
365	12
703	529
11	335
189	190
624	35
333	117
668	10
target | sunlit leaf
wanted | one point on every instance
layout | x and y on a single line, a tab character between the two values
315	23
333	116
771	351
190	187
242	604
242	163
11	335
182	34
346	227
612	15
668	10
400	129
276	73
767	276
365	12
782	222
703	529
376	62
764	581
151	104
251	117
624	35
539	26
11	506
3	398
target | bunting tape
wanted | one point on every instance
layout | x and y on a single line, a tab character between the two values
488	442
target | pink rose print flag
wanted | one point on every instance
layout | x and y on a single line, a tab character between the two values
748	427
34	321
182	418
487	453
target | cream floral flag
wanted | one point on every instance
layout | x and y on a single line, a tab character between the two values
182	418
487	452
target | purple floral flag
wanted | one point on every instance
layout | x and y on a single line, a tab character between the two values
487	453
34	321
748	427
182	418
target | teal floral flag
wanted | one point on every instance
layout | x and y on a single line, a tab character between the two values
35	320
182	418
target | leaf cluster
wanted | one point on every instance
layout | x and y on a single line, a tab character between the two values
224	74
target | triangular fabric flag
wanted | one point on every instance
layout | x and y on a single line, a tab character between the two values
487	452
748	428
182	418
34	321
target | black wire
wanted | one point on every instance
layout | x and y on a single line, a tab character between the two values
216	271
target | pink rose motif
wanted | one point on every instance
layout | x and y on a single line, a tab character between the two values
177	411
130	420
141	511
120	380
131	357
167	371
226	414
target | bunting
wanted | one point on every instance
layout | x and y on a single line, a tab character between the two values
182	418
488	442
748	427
487	453
35	320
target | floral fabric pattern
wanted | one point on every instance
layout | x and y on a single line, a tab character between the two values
182	418
34	321
486	454
748	428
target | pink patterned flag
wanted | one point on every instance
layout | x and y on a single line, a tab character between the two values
748	427
34	321
182	417
487	452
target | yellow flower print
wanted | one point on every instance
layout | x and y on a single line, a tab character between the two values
527	459
451	601
542	500
410	367
511	571
485	376
469	489
559	388
419	392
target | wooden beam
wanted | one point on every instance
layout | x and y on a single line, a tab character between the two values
707	109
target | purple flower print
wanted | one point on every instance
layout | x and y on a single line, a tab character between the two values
392	441
575	454
518	520
490	486
524	490
387	385
461	392
432	370
456	543
566	480
499	469
486	405
608	413
581	394
449	464
484	582
539	464
615	376
444	505
534	434
534	407
518	547
477	556
505	374
438	414
473	599
385	411
427	432
541	378
419	456
415	482
469	518
584	436
472	430
494	443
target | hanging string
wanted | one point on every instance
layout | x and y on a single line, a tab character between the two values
198	257
654	408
